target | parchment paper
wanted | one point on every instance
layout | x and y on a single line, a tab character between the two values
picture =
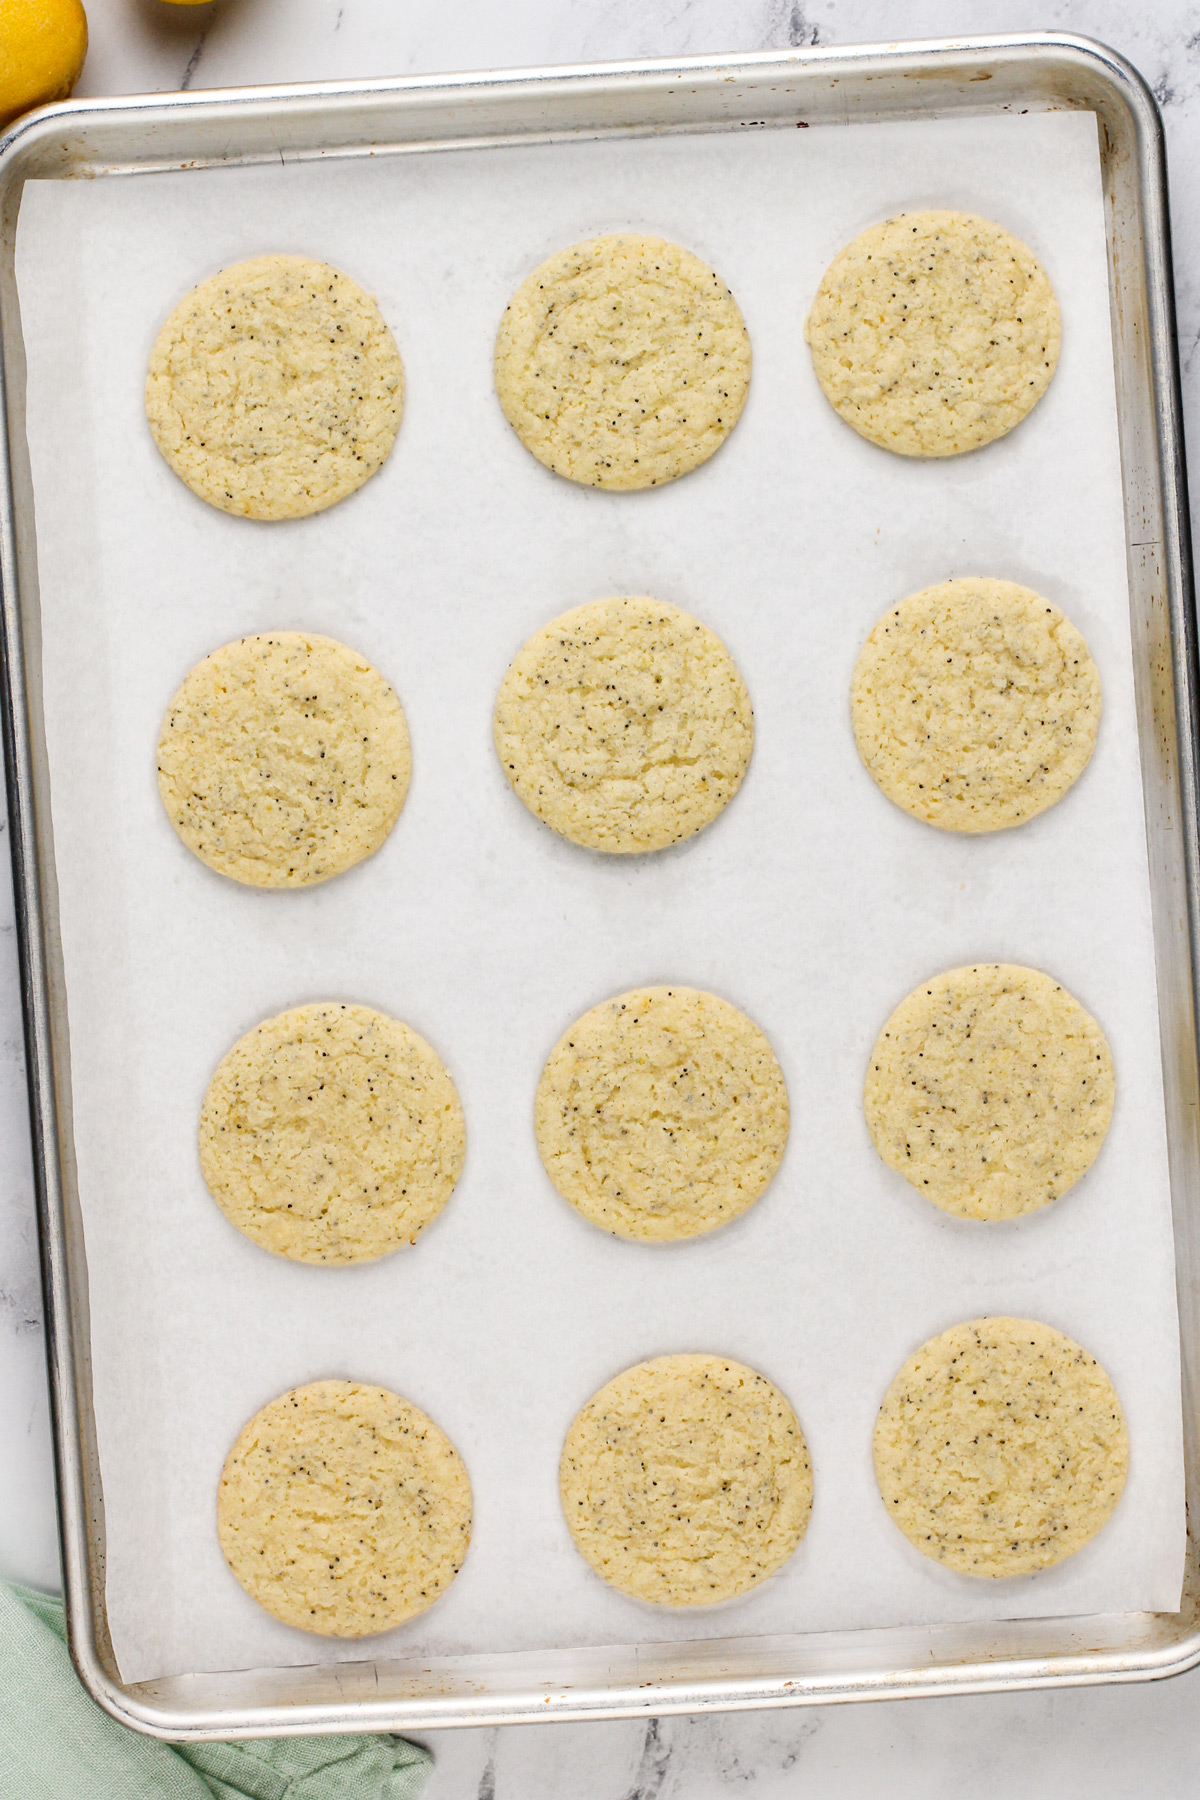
812	902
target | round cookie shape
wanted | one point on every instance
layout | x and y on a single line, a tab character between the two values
661	1114
283	759
1000	1447
343	1510
975	704
275	388
331	1134
686	1480
622	362
624	725
991	1090
934	333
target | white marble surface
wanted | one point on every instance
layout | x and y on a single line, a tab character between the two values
1099	1743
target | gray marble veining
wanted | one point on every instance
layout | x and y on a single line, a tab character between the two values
1097	1744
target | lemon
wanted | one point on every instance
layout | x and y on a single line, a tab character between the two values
42	47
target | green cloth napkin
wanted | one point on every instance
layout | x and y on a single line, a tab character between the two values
57	1744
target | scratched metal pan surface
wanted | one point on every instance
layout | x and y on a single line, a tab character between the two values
954	77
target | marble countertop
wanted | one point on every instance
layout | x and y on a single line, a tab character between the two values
1100	1742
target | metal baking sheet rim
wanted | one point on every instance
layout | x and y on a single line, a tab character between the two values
90	138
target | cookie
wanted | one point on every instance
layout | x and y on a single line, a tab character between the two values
275	388
661	1114
1000	1447
624	725
990	1090
622	362
975	704
331	1134
283	759
343	1510
934	332
686	1480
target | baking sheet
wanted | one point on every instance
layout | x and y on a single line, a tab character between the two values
812	903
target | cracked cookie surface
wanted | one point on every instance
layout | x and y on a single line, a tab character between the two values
661	1114
1000	1447
275	388
624	725
283	759
622	362
331	1134
990	1090
975	704
686	1480
933	333
343	1510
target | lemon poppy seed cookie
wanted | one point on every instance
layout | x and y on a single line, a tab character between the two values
343	1510
975	704
934	333
1001	1447
283	759
622	362
686	1480
331	1134
661	1114
991	1090
275	388
624	725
